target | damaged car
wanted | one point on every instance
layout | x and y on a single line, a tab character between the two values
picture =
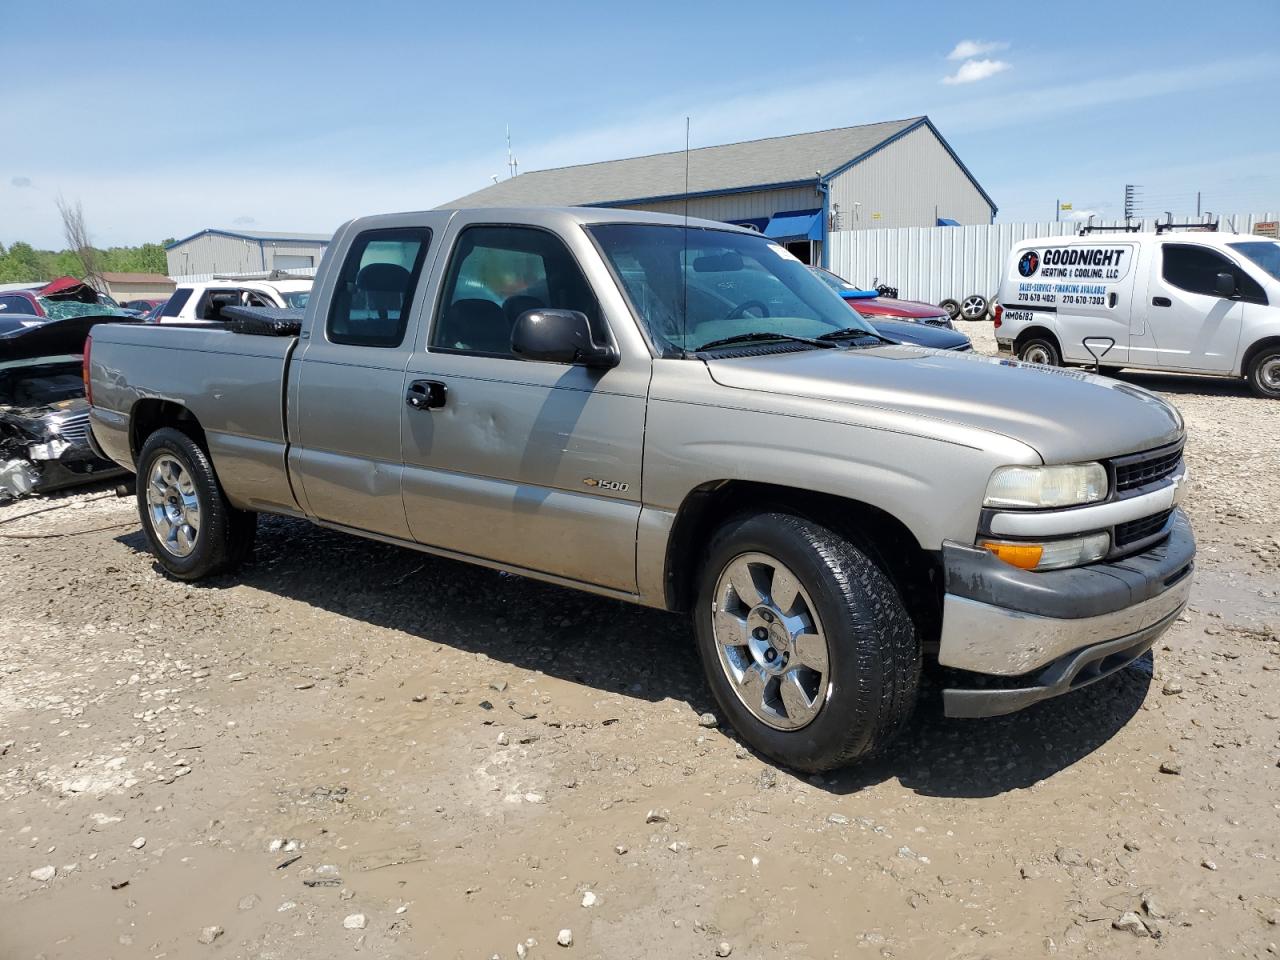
44	417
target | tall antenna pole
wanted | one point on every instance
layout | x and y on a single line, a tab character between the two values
684	265
511	160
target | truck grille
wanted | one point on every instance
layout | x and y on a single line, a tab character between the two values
1134	531
75	428
1141	469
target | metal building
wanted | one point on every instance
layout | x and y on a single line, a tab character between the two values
244	251
796	189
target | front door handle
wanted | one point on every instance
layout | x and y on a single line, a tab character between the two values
1161	302
426	395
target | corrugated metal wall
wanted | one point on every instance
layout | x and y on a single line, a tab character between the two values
909	183
739	206
934	263
216	253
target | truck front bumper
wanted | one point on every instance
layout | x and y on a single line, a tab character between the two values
1038	635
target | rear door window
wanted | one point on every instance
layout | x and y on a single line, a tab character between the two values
371	302
14	305
173	306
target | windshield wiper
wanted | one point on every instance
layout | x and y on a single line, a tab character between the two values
762	335
851	333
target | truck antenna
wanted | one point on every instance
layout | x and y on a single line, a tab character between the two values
684	261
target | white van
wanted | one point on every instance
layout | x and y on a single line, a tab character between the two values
1192	302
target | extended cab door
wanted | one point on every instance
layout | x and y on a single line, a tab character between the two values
1191	327
525	463
348	375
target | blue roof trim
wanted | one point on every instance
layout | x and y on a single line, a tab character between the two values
922	122
242	236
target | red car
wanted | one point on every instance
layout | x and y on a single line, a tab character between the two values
57	300
871	304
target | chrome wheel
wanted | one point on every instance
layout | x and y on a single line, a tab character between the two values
974	307
771	643
1269	375
172	506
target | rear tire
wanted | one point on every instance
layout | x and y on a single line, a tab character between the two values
810	705
191	528
1040	350
1264	374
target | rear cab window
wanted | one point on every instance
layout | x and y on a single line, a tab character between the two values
374	292
173	306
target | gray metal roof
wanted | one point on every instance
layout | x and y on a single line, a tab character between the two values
257	235
800	158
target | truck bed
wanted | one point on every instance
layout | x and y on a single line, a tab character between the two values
234	384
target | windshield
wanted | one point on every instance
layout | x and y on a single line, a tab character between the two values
62	309
297	299
1265	253
691	286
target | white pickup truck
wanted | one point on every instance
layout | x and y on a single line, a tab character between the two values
1194	302
202	302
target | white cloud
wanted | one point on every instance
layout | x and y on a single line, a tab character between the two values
968	49
972	71
1079	214
22	183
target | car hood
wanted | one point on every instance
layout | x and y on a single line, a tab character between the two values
889	307
920	334
1065	415
51	338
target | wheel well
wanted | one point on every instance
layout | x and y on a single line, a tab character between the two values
1256	349
148	416
1032	333
916	572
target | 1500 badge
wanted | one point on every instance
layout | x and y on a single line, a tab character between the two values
617	486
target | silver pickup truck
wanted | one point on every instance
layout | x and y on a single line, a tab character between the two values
679	414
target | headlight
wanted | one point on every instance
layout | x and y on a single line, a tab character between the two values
1059	486
1050	554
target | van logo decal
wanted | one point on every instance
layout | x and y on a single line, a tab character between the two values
1029	264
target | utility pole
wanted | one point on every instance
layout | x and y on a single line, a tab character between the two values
1057	210
1197	204
1130	200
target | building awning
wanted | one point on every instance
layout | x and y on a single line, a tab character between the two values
795	225
948	222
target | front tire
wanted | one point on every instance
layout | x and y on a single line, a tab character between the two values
807	646
192	530
1040	350
1264	374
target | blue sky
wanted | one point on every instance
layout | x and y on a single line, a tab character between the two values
297	116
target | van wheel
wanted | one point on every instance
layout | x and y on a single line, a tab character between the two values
191	528
807	646
1264	374
952	307
1040	350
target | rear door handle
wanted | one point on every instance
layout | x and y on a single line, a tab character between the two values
426	395
1161	302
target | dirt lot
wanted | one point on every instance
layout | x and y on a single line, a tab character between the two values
351	747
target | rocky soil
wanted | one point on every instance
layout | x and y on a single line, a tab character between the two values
352	748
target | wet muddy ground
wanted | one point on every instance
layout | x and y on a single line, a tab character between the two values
350	748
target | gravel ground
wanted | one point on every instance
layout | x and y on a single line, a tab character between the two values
349	747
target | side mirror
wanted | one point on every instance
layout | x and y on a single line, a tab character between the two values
1224	285
559	336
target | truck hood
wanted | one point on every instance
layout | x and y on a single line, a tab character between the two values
1065	415
27	338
